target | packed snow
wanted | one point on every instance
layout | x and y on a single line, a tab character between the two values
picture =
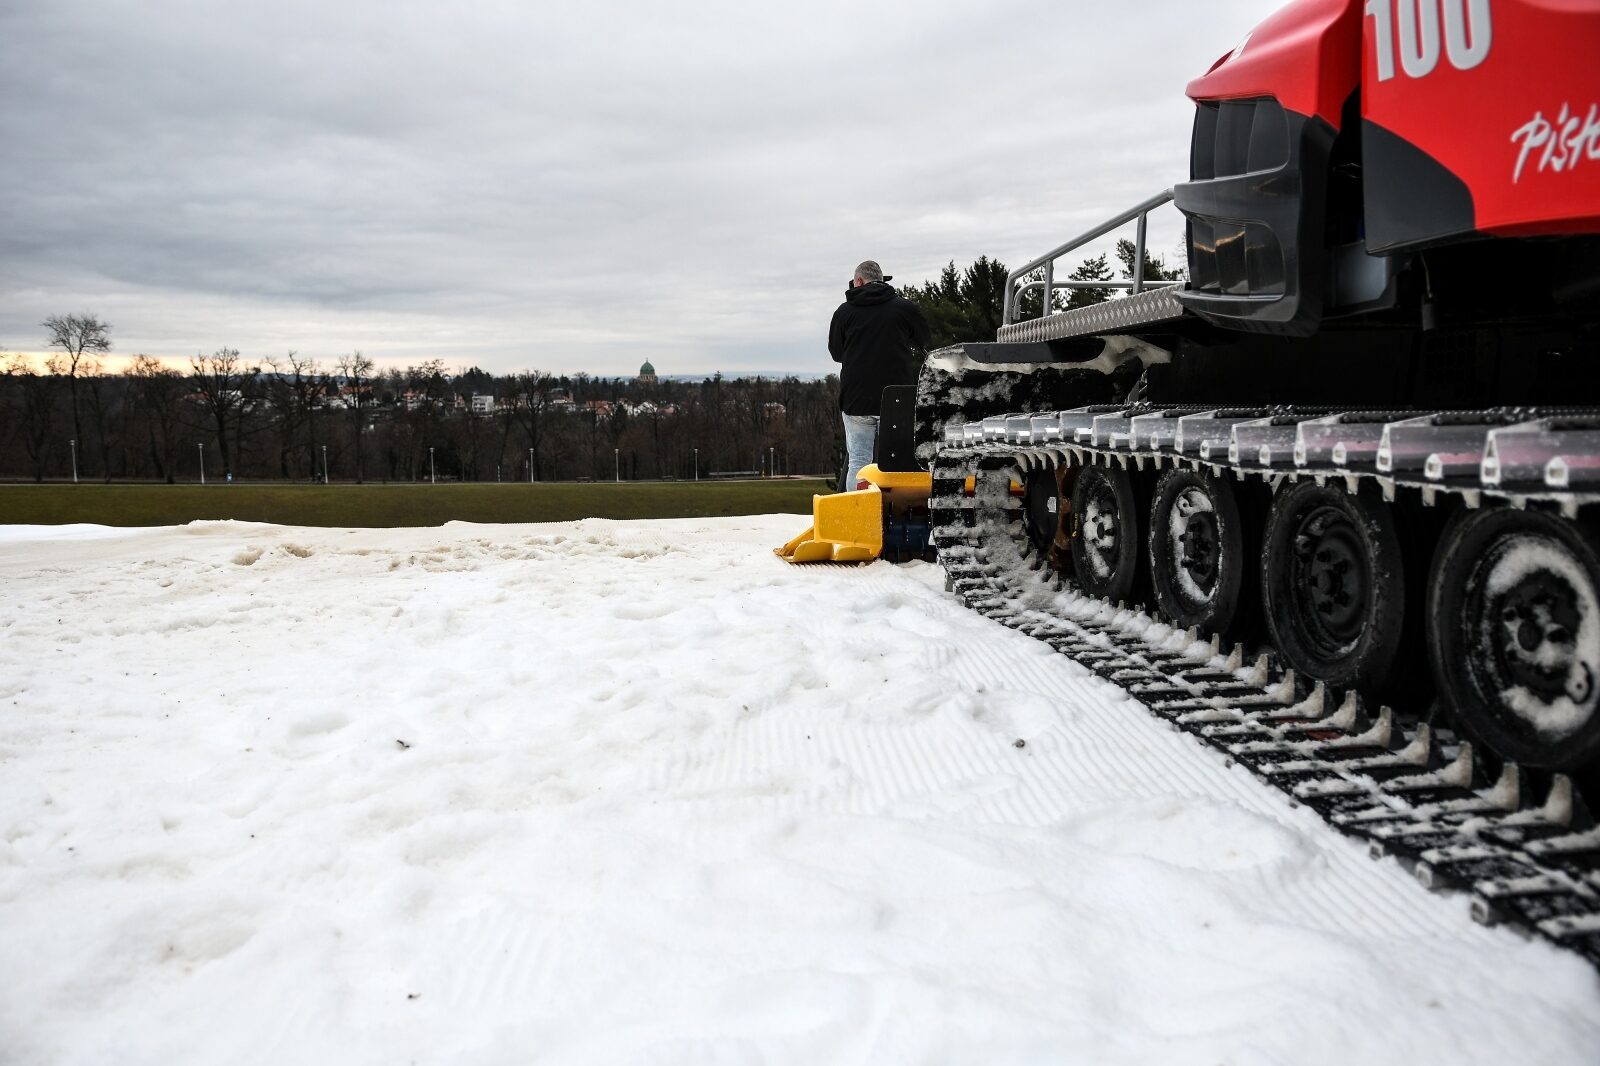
615	792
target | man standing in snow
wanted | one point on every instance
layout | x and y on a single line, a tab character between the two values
879	336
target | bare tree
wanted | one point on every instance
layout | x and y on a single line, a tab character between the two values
356	370
104	405
530	408
296	390
8	405
157	395
78	337
36	403
219	380
426	399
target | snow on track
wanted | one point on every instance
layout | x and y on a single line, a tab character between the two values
618	792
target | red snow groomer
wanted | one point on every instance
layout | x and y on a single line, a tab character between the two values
1364	434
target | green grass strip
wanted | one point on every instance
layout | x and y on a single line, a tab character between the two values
384	506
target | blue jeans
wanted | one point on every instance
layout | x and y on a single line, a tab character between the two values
860	438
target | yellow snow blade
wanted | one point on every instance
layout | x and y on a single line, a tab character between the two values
847	527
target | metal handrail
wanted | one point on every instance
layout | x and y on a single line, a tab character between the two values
1048	261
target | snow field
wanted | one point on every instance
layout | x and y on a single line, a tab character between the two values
641	792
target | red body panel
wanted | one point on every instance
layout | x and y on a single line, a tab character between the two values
1521	127
1306	56
1511	109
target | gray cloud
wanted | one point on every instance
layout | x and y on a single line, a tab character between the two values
574	187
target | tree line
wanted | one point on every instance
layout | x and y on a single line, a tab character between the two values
294	418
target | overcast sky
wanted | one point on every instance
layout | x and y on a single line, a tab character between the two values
568	187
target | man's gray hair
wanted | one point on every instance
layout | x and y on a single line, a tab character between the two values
869	271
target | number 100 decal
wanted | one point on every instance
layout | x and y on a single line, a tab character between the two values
1420	26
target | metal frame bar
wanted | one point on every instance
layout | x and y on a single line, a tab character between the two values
1048	260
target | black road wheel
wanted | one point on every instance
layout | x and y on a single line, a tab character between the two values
1514	634
1333	584
1042	508
1199	562
1105	532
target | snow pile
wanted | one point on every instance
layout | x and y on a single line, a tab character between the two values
640	792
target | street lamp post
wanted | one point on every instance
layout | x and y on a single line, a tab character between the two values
324	464
202	462
72	445
772	468
530	466
433	478
616	465
697	464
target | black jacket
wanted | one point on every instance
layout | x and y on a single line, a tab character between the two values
880	337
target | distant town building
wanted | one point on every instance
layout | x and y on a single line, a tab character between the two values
482	403
647	373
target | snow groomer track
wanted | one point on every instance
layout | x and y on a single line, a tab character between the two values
1527	856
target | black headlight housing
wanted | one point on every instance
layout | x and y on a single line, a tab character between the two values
1255	205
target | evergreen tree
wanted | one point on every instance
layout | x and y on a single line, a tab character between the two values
940	303
983	291
473	380
1155	267
1093	269
968	305
962	305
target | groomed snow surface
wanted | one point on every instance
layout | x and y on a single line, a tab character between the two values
619	792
